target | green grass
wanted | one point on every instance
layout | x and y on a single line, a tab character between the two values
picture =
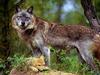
70	63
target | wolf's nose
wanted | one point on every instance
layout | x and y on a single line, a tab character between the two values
23	23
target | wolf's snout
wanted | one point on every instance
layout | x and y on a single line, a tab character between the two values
23	24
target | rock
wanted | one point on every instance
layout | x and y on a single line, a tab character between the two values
51	72
35	66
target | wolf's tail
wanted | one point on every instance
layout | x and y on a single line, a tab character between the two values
96	46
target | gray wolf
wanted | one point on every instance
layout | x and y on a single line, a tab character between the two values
39	33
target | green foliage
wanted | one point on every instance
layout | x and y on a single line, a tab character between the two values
17	60
73	17
70	63
2	65
97	6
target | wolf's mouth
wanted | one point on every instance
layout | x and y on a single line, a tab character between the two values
23	27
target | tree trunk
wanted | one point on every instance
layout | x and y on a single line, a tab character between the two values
90	13
59	10
5	20
5	29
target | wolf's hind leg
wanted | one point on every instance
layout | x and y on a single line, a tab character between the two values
84	51
79	56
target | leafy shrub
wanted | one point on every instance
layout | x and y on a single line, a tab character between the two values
17	60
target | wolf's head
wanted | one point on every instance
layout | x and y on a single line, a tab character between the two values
23	19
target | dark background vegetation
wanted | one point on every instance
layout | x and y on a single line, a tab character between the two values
60	11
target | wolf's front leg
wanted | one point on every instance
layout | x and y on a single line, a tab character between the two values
36	52
40	43
46	52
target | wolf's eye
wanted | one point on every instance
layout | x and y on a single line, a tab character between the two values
27	18
18	17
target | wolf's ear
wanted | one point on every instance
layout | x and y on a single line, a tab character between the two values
18	9
30	10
